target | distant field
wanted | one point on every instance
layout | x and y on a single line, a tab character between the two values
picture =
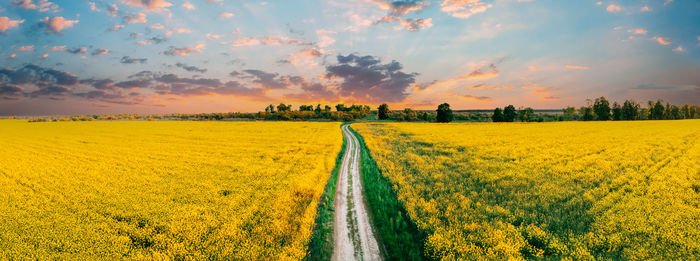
195	190
620	190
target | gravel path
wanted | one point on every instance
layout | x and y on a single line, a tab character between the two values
353	235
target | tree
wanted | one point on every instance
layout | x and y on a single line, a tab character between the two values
340	107
327	108
270	108
587	113
509	113
444	113
318	109
616	112
383	112
657	112
569	113
601	108
283	107
497	115
526	115
630	110
676	113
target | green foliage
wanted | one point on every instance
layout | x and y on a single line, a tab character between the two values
526	115
601	108
444	113
383	112
497	115
616	112
509	113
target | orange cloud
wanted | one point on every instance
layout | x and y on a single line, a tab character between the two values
225	15
613	8
46	55
26	48
57	24
12	56
185	51
139	18
464	8
58	48
662	40
576	67
188	6
411	24
639	31
151	5
471	97
679	49
7	23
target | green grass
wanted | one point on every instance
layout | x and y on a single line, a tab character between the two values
398	236
321	244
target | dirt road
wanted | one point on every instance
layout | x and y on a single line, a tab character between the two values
353	235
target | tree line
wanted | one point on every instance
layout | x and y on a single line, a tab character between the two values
595	110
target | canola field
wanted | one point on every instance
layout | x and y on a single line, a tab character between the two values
162	190
563	190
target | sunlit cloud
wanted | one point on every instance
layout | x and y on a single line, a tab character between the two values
56	24
100	51
41	5
7	23
471	97
188	5
115	28
410	24
150	5
185	51
225	15
613	8
662	40
679	49
28	48
645	8
464	8
139	18
576	67
639	31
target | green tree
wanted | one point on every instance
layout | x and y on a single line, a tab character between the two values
318	109
383	112
569	113
284	107
630	110
587	113
526	115
616	112
444	113
657	112
601	108
497	115
509	113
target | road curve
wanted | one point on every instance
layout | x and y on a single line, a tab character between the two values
353	235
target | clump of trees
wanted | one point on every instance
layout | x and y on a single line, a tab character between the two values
630	110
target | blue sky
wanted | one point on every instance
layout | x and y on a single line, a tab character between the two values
166	56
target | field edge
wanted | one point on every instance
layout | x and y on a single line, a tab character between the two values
399	238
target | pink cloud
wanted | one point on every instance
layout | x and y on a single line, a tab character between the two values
185	51
662	40
150	5
42	5
44	56
639	31
576	67
188	6
464	8
225	15
29	48
12	56
7	23
613	8
57	24
58	48
139	18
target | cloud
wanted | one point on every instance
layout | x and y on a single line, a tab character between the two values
472	97
212	36
185	51
267	80
44	56
12	56
100	51
187	5
102	84
77	50
464	8
139	18
668	2
400	7
613	8
645	9
639	31
29	48
483	86
150	5
679	49
268	40
411	24
482	71
130	60
190	68
225	15
324	38
44	81
662	40
576	67
41	5
365	78
7	23
56	24
112	10
313	92
115	28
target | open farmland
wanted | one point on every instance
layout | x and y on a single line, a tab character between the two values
580	190
148	190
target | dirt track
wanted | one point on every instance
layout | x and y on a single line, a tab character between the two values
353	235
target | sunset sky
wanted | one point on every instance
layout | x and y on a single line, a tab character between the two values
167	56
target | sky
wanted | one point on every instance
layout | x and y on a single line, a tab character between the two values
62	57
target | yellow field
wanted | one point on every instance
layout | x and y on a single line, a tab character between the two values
144	190
580	190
